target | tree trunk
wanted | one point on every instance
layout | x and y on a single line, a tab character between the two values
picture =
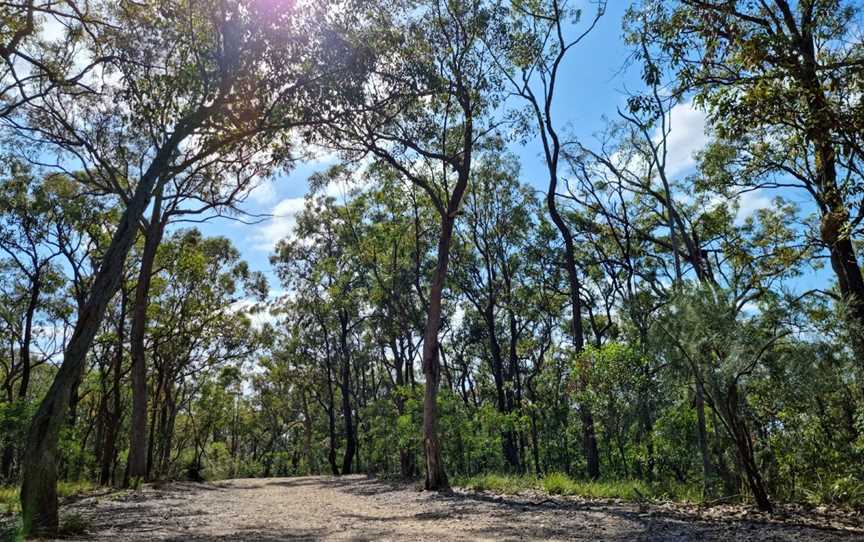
535	444
407	461
138	450
744	445
503	402
589	438
39	488
311	464
436	476
28	334
109	449
702	431
331	422
835	226
345	387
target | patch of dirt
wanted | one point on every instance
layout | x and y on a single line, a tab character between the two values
364	508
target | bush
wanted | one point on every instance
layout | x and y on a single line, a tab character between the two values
841	491
628	490
9	501
558	484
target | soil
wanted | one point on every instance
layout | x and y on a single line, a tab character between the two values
365	508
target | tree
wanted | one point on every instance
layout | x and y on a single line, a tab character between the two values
320	267
536	47
425	120
777	79
173	123
491	275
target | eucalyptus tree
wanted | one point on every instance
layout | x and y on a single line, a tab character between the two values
631	196
203	193
319	266
537	41
429	102
171	102
29	254
493	274
49	234
197	329
780	81
394	235
32	32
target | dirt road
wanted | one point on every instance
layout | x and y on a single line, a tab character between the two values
361	508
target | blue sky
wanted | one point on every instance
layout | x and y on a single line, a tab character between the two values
593	85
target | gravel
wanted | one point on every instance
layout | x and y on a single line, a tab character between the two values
365	508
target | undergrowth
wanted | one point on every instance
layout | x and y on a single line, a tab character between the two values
561	484
11	504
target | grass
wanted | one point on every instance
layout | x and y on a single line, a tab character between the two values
10	503
561	484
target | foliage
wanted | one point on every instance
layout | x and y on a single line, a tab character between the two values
426	304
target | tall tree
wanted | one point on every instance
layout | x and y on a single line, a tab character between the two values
193	100
426	110
534	53
777	79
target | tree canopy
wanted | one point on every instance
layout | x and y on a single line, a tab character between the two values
441	307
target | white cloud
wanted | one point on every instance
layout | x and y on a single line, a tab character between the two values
52	29
686	137
264	192
750	202
280	225
258	314
342	189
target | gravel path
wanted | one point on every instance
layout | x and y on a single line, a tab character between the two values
361	508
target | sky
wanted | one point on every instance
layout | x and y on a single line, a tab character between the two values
594	83
592	86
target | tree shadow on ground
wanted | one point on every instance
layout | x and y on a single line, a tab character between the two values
646	522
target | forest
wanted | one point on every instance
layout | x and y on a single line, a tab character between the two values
470	290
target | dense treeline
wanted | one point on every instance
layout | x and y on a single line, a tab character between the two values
442	316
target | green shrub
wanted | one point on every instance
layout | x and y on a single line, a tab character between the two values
841	491
558	484
628	490
9	501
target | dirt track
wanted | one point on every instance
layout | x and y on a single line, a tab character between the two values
361	508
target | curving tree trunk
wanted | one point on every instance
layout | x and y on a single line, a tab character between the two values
138	449
109	448
39	487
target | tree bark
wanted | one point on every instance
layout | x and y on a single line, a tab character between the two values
589	438
345	386
138	449
503	402
744	445
835	226
39	487
109	449
27	338
331	421
702	431
436	476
